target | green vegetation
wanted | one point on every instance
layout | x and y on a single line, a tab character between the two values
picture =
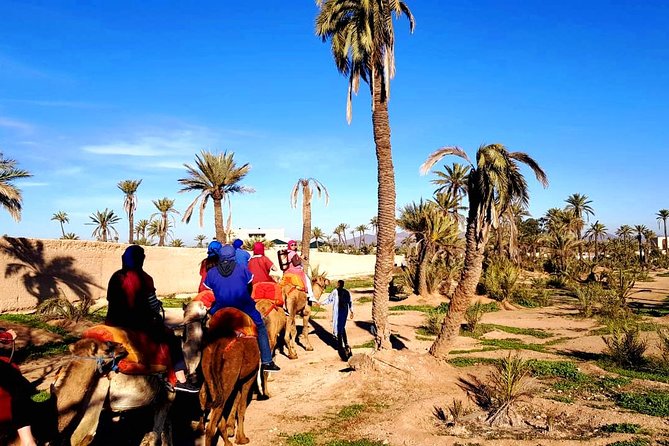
353	283
41	397
421	308
649	371
553	369
651	402
468	361
301	439
513	344
486	328
351	411
364	300
622	428
362	442
368	344
33	321
170	301
633	442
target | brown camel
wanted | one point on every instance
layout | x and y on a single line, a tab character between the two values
230	364
296	303
193	332
86	385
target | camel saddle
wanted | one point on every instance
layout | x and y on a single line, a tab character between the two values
145	356
6	400
232	323
268	290
293	280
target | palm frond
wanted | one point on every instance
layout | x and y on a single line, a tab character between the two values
438	154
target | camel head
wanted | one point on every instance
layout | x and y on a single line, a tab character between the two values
194	311
105	353
319	281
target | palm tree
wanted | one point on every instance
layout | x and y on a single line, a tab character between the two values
413	218
579	206
662	216
104	222
61	217
177	243
625	232
70	236
342	228
317	234
595	232
453	180
200	238
374	224
363	45
165	207
306	186
337	231
10	195
215	176
493	184
361	229
140	228
129	187
640	231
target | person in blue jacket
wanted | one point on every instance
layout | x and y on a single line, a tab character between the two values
231	284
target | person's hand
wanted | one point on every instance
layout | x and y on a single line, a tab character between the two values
12	333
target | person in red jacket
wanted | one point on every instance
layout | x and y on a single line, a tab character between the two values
20	390
260	265
208	263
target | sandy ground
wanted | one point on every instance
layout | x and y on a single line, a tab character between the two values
399	391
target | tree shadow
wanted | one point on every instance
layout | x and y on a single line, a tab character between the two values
42	278
323	334
395	340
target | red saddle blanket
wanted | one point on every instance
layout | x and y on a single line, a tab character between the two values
145	356
231	322
268	290
206	297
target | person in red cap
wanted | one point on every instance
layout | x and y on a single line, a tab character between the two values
260	265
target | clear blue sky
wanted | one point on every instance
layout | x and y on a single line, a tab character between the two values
95	92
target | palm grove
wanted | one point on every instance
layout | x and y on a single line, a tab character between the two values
499	238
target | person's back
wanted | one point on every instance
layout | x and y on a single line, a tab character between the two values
260	265
241	255
231	290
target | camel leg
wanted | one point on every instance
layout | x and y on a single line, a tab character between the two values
306	313
212	428
291	334
85	431
241	412
160	420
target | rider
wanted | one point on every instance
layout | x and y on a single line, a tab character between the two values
231	284
295	267
242	256
20	390
133	305
260	265
208	263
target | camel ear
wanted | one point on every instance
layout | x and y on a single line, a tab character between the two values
184	306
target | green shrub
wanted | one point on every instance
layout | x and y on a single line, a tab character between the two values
473	316
652	402
551	369
589	295
621	428
500	278
362	442
557	281
625	346
632	442
663	334
301	439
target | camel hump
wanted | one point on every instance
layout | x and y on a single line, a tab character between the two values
231	322
145	356
267	291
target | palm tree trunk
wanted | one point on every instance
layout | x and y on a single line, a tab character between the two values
306	225
218	221
163	231
62	229
422	276
469	278
665	242
131	225
385	252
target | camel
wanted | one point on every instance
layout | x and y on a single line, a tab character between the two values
86	385
195	313
296	303
230	363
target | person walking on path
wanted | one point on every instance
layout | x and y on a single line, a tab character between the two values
342	308
231	283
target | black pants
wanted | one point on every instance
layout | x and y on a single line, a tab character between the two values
20	390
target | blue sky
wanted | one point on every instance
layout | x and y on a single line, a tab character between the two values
96	92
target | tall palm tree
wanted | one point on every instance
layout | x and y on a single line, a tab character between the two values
215	176
492	185
361	229
596	231
165	207
129	187
353	235
662	216
61	217
140	228
453	180
158	228
104	222
374	224
10	195
640	231
200	238
337	231
306	186
343	227
317	233
363	45
413	218
579	206
625	232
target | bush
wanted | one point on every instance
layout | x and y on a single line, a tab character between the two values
654	403
499	279
663	334
60	307
473	316
589	295
529	298
557	281
626	347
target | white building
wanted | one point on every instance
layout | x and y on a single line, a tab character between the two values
661	243
270	234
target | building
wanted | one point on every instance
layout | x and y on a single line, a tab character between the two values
266	233
661	243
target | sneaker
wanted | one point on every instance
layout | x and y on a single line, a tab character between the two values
186	387
270	367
